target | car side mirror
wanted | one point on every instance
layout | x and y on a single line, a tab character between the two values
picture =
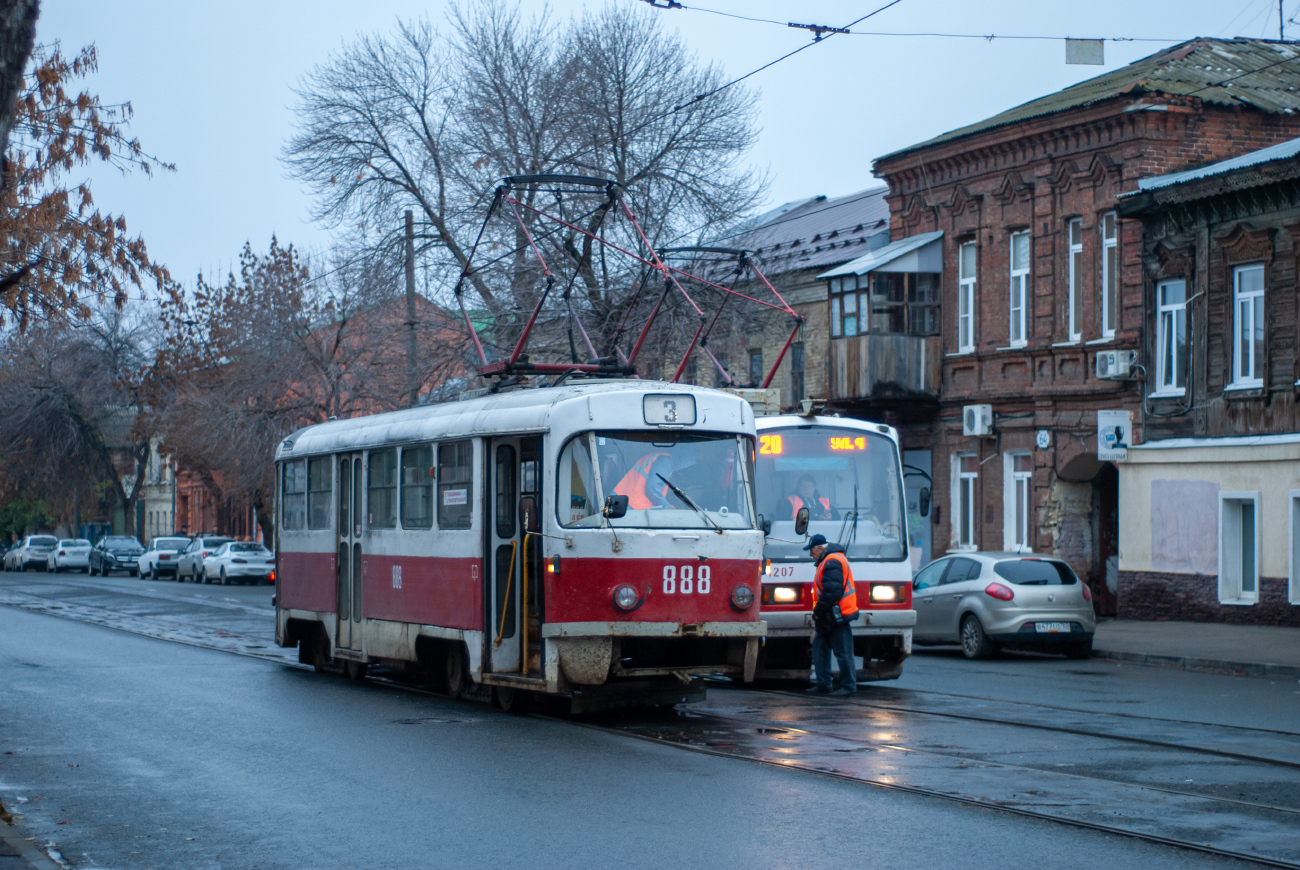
615	507
801	521
765	524
923	501
917	584
529	519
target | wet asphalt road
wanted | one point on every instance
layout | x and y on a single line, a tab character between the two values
160	754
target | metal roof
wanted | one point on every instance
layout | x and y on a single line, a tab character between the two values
814	233
884	256
1281	151
1259	73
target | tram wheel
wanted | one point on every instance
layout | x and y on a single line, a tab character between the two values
505	699
454	680
355	670
312	651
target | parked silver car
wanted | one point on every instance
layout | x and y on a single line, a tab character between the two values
985	601
31	551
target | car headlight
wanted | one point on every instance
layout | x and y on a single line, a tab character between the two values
742	597
785	594
625	598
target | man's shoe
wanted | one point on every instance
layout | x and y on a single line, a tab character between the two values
818	690
843	693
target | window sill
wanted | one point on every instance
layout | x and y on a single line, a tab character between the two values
1074	342
1014	346
1237	388
1238	602
1107	340
1168	394
967	352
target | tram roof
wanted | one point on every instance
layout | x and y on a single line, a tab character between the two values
528	410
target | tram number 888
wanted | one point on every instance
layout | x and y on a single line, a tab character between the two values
687	579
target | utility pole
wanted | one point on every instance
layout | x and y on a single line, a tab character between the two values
1281	22
412	385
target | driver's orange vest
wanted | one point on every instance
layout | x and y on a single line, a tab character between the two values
849	603
633	483
796	502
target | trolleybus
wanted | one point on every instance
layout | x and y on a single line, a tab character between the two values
848	475
595	540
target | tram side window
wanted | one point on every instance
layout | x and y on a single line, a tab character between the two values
381	486
417	487
576	499
293	495
455	478
318	493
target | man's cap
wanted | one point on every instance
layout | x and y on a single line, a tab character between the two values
815	541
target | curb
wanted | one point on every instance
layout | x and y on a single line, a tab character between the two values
1249	669
27	851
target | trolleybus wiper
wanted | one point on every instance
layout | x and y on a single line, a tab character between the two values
687	499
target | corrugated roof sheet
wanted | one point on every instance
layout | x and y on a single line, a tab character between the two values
874	260
814	233
1260	73
1281	151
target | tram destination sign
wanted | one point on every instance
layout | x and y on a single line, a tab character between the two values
672	409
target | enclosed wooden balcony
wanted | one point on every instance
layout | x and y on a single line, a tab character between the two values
884	366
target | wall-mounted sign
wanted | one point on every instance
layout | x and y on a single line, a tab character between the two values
1114	435
1043	439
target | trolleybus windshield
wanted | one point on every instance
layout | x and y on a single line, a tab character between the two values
654	470
848	479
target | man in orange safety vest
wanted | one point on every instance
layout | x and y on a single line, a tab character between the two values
643	485
835	607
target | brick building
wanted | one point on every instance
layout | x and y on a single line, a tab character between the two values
1210	502
1039	275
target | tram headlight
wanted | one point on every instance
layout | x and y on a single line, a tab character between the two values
884	592
625	598
784	595
742	597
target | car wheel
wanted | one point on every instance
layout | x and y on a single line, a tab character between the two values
145	575
134	572
974	642
225	581
1079	650
201	577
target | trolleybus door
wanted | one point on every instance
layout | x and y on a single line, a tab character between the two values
348	600
505	556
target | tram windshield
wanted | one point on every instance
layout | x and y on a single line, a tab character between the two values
847	478
662	474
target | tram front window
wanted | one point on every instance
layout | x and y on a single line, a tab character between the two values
708	469
847	478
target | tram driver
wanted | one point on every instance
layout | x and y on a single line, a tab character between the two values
807	495
646	483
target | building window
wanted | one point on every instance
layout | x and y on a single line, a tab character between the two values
692	371
923	303
293	495
1171	338
1017	502
1075	315
1293	563
966	298
1109	275
720	379
756	367
796	373
1238	547
417	487
1248	326
455	474
1019	288
381	486
848	306
319	482
964	505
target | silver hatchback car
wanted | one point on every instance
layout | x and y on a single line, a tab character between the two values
985	601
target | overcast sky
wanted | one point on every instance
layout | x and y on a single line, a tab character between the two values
211	87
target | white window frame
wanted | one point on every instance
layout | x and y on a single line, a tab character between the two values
1241	377
1293	547
1168	315
964	504
966	298
1109	311
1019	290
1074	242
1015	486
1232	583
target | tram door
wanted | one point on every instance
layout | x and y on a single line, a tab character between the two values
515	590
349	552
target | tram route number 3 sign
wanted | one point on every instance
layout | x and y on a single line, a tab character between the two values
686	580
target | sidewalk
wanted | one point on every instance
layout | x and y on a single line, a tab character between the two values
1255	650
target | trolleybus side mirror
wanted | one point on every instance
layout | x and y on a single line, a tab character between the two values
615	507
923	501
529	519
765	524
801	521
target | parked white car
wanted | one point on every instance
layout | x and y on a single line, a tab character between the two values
189	565
31	550
240	562
72	554
160	560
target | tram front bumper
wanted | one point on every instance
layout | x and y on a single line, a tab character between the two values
654	629
799	623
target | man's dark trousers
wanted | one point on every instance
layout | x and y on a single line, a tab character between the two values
841	642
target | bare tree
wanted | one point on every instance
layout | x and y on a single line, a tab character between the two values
432	118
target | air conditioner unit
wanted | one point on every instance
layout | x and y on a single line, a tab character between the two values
977	420
1115	365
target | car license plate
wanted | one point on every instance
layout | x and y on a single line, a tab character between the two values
1051	626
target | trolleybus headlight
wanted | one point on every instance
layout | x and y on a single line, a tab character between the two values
625	598
742	597
785	594
883	592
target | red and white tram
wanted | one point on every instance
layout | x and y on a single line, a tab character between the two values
593	539
849	476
